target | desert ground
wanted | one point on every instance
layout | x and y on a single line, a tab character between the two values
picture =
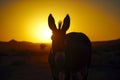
28	61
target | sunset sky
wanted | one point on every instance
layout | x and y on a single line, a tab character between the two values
27	20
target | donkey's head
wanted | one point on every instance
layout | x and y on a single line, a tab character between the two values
59	34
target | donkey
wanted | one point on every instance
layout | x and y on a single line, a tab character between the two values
70	53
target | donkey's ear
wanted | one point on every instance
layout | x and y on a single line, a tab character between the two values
51	23
66	23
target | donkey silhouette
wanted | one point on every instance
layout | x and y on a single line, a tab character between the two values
70	53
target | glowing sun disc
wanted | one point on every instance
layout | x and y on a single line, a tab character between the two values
41	33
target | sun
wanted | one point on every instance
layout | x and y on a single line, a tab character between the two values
41	32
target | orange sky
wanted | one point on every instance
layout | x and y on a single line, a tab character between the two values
27	20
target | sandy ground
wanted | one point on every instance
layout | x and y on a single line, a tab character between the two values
32	72
38	69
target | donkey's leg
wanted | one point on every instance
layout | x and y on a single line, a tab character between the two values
84	72
76	75
67	75
55	74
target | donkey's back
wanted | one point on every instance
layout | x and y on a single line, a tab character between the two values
78	51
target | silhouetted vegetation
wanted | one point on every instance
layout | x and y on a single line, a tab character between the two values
42	46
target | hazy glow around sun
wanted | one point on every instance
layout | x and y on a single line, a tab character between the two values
40	32
28	20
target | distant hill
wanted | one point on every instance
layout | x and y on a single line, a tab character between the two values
18	45
103	52
24	45
15	47
112	45
103	43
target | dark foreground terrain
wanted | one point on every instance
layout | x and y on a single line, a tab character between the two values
29	72
25	72
28	61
